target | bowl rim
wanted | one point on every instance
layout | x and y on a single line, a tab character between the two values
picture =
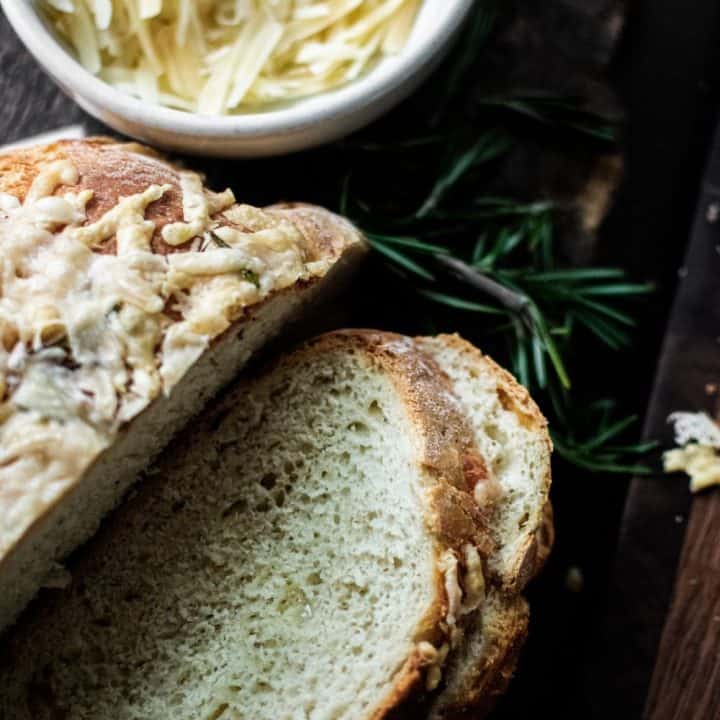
379	82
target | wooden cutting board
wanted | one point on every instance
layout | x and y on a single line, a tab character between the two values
664	622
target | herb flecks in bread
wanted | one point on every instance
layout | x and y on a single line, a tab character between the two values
113	286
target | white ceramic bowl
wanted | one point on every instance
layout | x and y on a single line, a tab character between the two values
302	124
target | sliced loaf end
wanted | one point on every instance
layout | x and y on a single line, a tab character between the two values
511	434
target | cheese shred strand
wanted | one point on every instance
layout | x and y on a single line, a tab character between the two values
218	57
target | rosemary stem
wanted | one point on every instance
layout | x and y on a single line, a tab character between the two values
510	299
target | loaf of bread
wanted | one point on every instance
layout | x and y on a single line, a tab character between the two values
129	295
345	536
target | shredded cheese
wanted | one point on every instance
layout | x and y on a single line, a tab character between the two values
224	56
88	339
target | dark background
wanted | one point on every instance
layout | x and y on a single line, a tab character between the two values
666	72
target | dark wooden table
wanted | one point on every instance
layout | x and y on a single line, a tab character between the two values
657	649
591	653
660	518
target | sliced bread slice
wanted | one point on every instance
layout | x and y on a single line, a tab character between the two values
129	295
480	670
311	548
512	436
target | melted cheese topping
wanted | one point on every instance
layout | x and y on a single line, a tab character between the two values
222	56
448	565
88	340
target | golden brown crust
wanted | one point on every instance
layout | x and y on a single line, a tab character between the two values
482	665
327	234
504	638
113	170
19	168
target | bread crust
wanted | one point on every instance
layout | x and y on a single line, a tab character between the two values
113	170
484	682
477	686
515	398
503	641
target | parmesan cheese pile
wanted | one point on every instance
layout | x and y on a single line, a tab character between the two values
224	56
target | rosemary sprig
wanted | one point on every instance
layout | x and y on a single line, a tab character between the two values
487	147
514	266
467	252
591	444
509	277
554	112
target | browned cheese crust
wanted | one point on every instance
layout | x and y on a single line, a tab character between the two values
501	630
114	170
503	638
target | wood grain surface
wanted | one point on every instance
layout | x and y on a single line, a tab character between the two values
669	79
30	102
686	678
686	681
647	597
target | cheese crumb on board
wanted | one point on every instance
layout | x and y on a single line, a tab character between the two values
222	56
698	436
